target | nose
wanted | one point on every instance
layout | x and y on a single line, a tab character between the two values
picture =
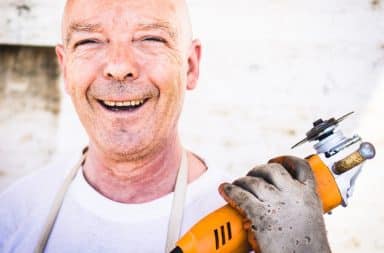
121	65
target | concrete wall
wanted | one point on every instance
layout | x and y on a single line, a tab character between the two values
269	69
30	22
29	109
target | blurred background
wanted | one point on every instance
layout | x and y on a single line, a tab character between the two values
269	69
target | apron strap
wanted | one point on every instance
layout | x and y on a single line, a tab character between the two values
58	201
176	215
175	218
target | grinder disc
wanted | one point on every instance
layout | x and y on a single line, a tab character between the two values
321	129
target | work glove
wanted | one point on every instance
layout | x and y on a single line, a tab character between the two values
282	211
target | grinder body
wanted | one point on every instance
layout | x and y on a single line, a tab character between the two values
222	230
336	166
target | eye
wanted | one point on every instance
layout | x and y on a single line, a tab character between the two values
154	39
85	42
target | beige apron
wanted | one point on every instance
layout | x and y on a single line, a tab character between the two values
175	218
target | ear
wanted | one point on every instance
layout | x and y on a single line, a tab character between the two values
193	64
60	53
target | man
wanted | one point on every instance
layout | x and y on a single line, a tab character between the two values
126	65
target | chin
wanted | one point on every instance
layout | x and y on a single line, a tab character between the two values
128	150
130	144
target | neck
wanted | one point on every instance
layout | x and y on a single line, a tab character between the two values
139	180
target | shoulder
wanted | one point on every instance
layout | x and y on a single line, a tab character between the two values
30	187
202	194
209	167
20	203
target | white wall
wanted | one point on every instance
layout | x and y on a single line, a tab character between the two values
29	109
30	22
272	67
269	69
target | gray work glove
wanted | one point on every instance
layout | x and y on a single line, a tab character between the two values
282	211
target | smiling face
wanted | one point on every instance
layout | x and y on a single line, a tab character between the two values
126	66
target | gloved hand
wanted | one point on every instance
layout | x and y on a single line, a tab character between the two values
282	211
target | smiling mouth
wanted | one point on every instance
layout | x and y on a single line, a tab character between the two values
128	105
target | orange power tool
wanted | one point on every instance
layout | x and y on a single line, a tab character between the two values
335	172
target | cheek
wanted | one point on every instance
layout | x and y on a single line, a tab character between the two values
165	71
168	80
167	76
80	74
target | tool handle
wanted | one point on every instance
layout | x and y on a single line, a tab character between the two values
222	230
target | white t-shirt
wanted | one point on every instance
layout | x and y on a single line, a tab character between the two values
90	222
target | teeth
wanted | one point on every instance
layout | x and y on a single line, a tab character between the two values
109	103
124	103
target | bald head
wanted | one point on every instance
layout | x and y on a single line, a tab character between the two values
172	13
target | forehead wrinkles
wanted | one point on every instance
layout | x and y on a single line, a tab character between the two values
81	26
169	13
160	25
